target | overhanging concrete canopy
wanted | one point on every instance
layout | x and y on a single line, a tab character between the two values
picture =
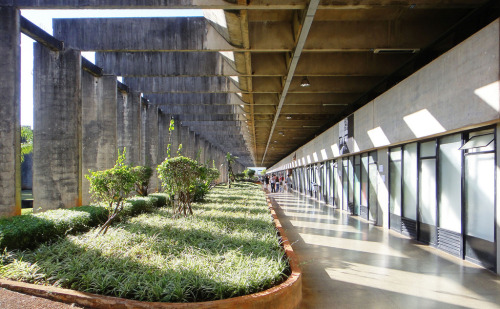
352	53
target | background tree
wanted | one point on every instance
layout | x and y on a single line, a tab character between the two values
112	187
26	141
142	176
249	173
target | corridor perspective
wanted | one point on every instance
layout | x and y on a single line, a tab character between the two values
347	262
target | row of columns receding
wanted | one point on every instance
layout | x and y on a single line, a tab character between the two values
80	123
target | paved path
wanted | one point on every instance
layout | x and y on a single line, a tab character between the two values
14	300
348	263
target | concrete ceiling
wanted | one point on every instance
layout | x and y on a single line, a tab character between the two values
238	84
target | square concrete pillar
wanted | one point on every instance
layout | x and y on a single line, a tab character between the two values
99	118
184	140
57	129
191	151
10	130
128	124
149	117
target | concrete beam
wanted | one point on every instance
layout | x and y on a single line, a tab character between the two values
210	4
196	99
141	64
330	63
39	35
208	110
352	35
121	34
10	90
128	129
99	126
57	135
213	84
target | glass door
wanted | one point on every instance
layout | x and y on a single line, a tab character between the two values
427	194
410	188
480	244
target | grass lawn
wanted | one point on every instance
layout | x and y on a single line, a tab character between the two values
228	248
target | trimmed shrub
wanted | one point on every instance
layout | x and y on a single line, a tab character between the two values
25	232
29	231
179	176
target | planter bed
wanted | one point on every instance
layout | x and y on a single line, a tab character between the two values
227	249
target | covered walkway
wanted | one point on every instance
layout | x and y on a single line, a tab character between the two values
349	263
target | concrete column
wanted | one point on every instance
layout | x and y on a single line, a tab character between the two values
192	145
175	138
149	116
99	123
129	125
163	124
197	148
57	135
10	134
184	140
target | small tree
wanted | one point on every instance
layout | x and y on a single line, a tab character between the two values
142	175
179	176
230	160
26	141
112	187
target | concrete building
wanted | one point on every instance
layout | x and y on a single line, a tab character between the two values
388	109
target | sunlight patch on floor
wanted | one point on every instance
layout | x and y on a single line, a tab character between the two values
440	289
352	244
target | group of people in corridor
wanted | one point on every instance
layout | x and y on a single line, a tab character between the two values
278	183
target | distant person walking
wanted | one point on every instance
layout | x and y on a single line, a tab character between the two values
273	183
266	182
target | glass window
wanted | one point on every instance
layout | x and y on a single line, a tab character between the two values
427	192
372	192
428	149
479	141
351	179
410	169
345	183
450	183
364	179
395	181
479	192
357	187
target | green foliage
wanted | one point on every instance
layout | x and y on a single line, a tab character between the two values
142	175
249	173
26	141
205	183
229	249
28	231
112	187
179	176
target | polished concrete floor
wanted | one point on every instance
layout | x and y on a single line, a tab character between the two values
349	263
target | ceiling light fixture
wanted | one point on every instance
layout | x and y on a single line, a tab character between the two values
288	117
305	82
